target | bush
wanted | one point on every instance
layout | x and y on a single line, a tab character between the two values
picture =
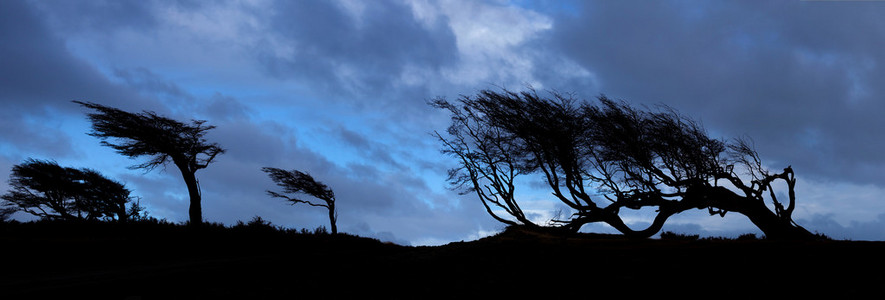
317	231
669	235
747	237
257	224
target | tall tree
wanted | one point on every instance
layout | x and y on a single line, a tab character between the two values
160	138
601	159
297	182
47	190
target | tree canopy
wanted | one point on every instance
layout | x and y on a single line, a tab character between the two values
603	158
160	138
47	190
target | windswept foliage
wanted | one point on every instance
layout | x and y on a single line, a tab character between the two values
160	138
488	161
600	159
47	190
297	182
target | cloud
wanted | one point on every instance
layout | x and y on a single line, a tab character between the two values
357	51
873	230
339	89
38	80
38	69
797	77
98	16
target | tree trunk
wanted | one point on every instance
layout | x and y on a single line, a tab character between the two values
333	218
772	225
195	211
615	221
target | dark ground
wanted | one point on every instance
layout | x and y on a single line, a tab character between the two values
108	261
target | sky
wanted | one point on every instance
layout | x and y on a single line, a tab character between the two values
339	89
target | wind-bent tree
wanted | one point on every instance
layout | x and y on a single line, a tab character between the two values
162	139
49	191
297	182
489	162
600	159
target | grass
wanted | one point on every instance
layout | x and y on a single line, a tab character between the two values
668	235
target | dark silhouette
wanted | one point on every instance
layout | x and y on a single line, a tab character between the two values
297	182
49	191
254	260
600	159
488	159
164	139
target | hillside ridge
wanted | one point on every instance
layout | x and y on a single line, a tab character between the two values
163	261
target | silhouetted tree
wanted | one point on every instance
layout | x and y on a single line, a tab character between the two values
162	139
47	190
600	159
297	182
489	162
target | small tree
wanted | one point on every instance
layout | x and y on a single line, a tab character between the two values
49	191
106	198
297	182
162	139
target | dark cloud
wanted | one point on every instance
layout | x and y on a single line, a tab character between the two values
148	83
37	68
360	53
797	77
38	80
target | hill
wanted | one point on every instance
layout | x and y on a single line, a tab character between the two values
167	261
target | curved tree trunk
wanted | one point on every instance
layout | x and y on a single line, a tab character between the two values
615	221
772	225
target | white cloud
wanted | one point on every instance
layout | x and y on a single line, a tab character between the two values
490	40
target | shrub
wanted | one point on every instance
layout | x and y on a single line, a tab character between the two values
747	237
669	235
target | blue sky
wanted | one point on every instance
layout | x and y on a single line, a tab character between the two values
339	89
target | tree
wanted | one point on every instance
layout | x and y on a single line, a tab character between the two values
489	162
49	191
297	182
162	139
601	159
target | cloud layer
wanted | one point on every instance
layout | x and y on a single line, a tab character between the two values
339	89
